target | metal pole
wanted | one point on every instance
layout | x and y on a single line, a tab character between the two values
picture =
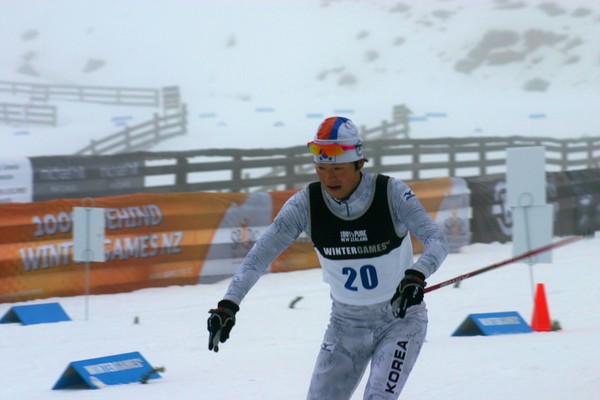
525	208
539	250
87	255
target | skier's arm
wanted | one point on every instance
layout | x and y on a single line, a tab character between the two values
289	223
409	211
287	226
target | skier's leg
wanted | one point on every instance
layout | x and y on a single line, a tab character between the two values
342	360
395	356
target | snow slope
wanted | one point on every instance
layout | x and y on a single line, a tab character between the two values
263	73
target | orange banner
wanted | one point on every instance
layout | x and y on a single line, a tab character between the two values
151	240
154	240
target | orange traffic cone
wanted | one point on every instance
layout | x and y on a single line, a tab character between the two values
540	321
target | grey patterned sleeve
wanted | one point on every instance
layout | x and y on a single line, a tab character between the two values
289	223
410	212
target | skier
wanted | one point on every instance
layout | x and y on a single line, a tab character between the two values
360	225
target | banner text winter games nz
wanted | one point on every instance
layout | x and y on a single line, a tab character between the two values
52	254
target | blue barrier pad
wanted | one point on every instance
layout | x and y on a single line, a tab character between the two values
96	373
537	116
35	314
264	109
436	114
342	111
499	323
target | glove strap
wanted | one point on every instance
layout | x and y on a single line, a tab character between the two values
415	276
228	307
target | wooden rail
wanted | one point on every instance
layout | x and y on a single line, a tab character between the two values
250	170
39	93
27	114
408	159
141	136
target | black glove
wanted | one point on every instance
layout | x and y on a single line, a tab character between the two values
408	293
220	322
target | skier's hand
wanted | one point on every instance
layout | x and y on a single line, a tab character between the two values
408	293
220	322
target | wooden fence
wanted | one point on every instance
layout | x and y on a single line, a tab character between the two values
409	159
398	127
251	170
141	136
39	93
27	114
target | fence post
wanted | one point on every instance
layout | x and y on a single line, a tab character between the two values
127	141
564	157
451	160
375	156
236	174
156	122
590	153
416	161
181	174
53	115
183	119
401	116
171	98
384	129
482	158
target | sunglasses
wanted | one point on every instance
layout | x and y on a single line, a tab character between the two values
330	150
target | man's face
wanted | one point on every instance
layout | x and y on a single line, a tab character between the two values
339	180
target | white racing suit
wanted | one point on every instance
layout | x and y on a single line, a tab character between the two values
363	244
359	334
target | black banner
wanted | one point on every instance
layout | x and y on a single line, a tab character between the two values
575	196
86	176
491	218
585	195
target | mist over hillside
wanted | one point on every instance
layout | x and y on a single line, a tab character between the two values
263	73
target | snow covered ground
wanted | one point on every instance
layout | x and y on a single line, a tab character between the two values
301	60
271	352
264	73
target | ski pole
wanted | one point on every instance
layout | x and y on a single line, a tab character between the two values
530	253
